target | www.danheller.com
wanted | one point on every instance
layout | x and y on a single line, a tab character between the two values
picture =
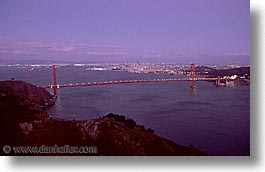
65	149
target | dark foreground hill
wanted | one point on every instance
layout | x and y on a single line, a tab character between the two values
24	122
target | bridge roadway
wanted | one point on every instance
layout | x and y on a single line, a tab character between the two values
128	82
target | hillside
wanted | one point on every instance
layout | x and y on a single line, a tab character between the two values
211	72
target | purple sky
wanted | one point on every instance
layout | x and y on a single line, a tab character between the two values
177	31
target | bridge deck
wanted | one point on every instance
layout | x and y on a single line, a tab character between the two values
127	82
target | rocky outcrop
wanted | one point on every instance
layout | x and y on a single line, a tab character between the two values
24	122
36	95
23	101
112	135
20	102
116	136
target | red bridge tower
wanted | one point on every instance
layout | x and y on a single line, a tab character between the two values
192	74
54	81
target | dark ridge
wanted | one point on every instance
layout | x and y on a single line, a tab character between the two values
242	71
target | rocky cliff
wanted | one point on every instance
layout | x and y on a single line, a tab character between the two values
30	92
20	102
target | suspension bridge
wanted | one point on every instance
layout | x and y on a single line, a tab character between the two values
191	79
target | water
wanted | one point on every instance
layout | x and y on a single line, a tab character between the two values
215	120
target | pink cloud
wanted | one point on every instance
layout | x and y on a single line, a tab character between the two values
238	54
47	48
61	48
105	53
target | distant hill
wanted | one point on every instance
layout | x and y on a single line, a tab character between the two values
228	72
203	69
241	71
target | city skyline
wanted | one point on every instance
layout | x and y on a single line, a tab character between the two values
180	31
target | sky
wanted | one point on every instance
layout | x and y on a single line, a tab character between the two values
170	31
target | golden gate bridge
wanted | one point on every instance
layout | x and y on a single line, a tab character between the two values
191	79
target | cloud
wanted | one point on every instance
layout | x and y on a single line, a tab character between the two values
98	46
61	48
238	54
114	53
58	51
158	55
20	52
100	50
16	52
4	51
